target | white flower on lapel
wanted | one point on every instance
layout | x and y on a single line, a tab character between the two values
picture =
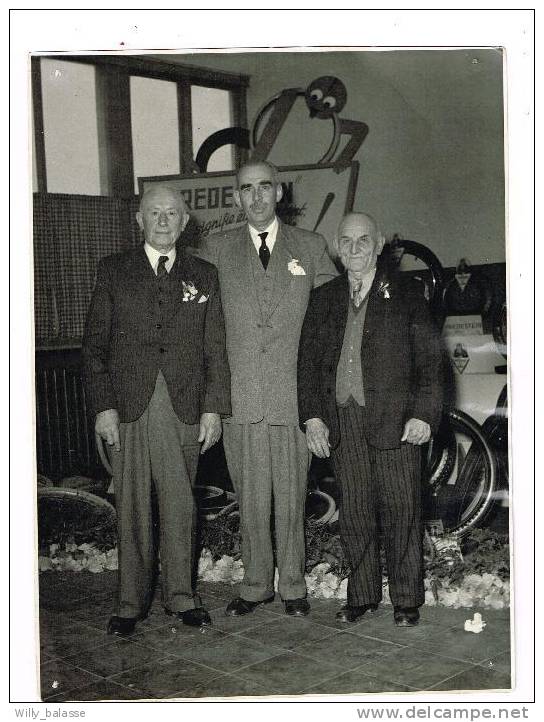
202	299
190	292
294	268
383	290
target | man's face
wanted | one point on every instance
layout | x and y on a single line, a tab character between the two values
359	244
162	217
258	194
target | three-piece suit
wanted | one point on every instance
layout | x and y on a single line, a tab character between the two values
154	350
266	451
379	476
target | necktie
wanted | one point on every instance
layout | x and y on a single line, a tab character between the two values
264	251
356	292
161	268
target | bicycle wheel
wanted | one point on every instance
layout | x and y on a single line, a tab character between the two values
431	276
72	514
461	475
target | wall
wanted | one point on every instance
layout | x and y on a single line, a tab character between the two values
432	166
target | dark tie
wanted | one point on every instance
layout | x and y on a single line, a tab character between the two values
264	251
161	268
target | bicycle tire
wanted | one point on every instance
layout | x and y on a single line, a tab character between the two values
421	253
64	512
465	503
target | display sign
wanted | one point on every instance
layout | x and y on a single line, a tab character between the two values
315	197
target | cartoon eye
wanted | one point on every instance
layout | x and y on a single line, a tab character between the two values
329	101
316	94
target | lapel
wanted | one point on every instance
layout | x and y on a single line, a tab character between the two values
284	251
185	270
339	314
377	309
141	279
242	257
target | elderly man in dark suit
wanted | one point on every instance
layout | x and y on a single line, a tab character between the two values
266	272
158	380
370	393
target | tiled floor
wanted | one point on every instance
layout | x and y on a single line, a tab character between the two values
264	653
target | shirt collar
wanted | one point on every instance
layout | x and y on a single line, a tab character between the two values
272	231
366	283
153	256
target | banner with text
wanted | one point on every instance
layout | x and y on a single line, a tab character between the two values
315	197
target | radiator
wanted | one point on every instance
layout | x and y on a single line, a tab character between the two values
65	444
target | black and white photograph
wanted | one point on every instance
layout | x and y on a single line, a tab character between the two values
271	370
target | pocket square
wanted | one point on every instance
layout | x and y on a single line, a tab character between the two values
295	268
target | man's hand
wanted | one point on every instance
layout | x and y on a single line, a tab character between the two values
317	438
107	427
210	430
416	432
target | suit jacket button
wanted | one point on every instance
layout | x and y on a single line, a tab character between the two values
162	350
158	325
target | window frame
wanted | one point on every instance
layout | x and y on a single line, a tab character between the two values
114	113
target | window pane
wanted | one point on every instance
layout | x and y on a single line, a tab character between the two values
70	128
211	111
155	134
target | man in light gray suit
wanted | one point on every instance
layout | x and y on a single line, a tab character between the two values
266	272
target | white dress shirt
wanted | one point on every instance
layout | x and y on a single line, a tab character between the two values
272	231
153	256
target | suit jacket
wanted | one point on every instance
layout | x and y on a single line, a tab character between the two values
129	337
400	358
262	339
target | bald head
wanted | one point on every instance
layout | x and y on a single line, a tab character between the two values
358	242
162	216
162	191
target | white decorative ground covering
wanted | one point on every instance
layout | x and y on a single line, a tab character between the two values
486	590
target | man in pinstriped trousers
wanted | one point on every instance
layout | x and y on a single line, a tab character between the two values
369	394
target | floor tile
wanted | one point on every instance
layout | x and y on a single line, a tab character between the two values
446	616
166	677
287	632
501	663
289	673
405	666
218	589
240	624
458	644
475	677
176	637
228	685
229	653
355	682
120	655
102	690
326	616
71	640
58	676
384	628
347	650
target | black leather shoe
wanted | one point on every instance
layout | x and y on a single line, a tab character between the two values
296	607
197	617
122	626
406	616
238	607
351	612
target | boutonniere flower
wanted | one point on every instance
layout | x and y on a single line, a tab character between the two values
190	292
383	290
295	268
